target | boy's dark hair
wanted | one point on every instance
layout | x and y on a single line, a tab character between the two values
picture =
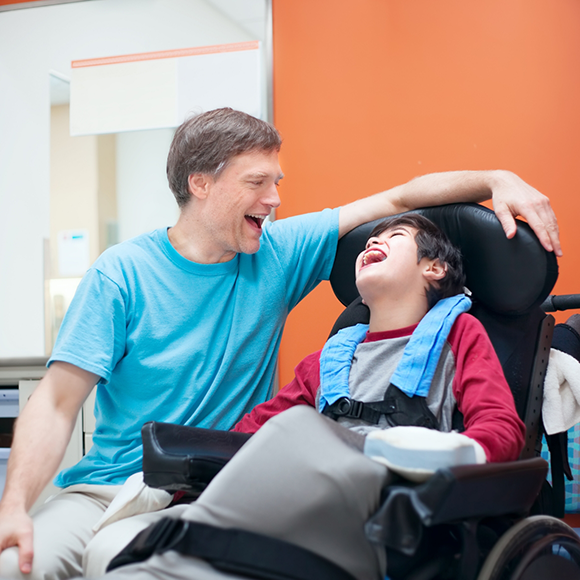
432	243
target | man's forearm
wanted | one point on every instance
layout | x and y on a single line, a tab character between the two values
423	191
40	441
511	197
42	433
448	187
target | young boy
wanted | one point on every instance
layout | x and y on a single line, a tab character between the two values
303	478
406	268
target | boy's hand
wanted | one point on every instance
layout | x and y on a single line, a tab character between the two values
16	529
513	197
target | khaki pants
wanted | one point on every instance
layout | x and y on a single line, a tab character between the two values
62	530
65	545
302	478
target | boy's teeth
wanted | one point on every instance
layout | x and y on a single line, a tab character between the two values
373	256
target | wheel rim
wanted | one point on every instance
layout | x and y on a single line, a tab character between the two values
521	544
572	548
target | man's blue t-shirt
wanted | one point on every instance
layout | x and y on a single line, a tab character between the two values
181	342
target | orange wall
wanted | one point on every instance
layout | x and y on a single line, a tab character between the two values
370	93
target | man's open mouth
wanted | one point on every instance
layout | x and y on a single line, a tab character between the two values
257	219
373	256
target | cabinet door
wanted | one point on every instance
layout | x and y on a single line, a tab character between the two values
73	452
89	419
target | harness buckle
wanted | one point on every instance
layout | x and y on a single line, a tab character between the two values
348	408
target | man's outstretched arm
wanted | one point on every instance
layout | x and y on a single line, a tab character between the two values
43	431
511	196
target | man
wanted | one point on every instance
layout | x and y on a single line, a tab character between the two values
303	479
183	324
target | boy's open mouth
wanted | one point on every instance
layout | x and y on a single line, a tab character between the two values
373	256
258	220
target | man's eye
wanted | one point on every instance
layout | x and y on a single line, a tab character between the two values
257	183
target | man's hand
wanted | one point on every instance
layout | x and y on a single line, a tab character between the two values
16	530
513	197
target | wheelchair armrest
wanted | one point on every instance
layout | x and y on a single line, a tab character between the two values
487	490
180	458
458	493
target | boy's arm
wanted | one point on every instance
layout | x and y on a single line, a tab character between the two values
300	391
511	197
42	431
482	393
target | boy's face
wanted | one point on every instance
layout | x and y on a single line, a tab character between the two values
389	262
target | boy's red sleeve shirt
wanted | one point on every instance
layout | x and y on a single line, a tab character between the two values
300	391
479	387
482	393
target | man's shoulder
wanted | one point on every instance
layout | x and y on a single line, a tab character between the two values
130	259
137	248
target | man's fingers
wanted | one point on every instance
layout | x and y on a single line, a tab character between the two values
545	226
506	219
25	553
551	227
541	219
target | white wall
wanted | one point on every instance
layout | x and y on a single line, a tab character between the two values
33	42
144	200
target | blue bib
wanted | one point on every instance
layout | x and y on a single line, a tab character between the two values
417	367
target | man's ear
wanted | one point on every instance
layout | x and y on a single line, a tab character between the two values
199	185
434	271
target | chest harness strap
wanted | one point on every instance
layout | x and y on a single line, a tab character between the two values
404	402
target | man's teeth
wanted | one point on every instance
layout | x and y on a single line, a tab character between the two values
259	219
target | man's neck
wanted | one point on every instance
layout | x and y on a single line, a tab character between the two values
188	238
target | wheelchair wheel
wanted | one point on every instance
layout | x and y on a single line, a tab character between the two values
537	548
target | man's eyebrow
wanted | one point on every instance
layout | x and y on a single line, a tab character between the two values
262	175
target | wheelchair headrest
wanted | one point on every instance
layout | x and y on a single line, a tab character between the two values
507	276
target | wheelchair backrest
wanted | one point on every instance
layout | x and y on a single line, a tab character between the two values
509	280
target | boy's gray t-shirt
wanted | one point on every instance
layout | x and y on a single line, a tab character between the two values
374	363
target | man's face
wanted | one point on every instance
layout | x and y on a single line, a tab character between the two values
238	202
389	263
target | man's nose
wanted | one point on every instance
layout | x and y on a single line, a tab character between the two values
272	198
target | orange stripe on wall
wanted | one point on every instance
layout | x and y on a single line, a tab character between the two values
215	49
8	2
369	94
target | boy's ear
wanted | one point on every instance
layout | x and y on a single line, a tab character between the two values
199	185
434	271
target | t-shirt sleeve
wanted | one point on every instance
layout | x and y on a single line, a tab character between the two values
300	391
92	334
305	247
482	393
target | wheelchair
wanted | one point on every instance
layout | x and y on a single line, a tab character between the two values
471	522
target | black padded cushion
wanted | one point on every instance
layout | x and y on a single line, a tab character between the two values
177	457
507	276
